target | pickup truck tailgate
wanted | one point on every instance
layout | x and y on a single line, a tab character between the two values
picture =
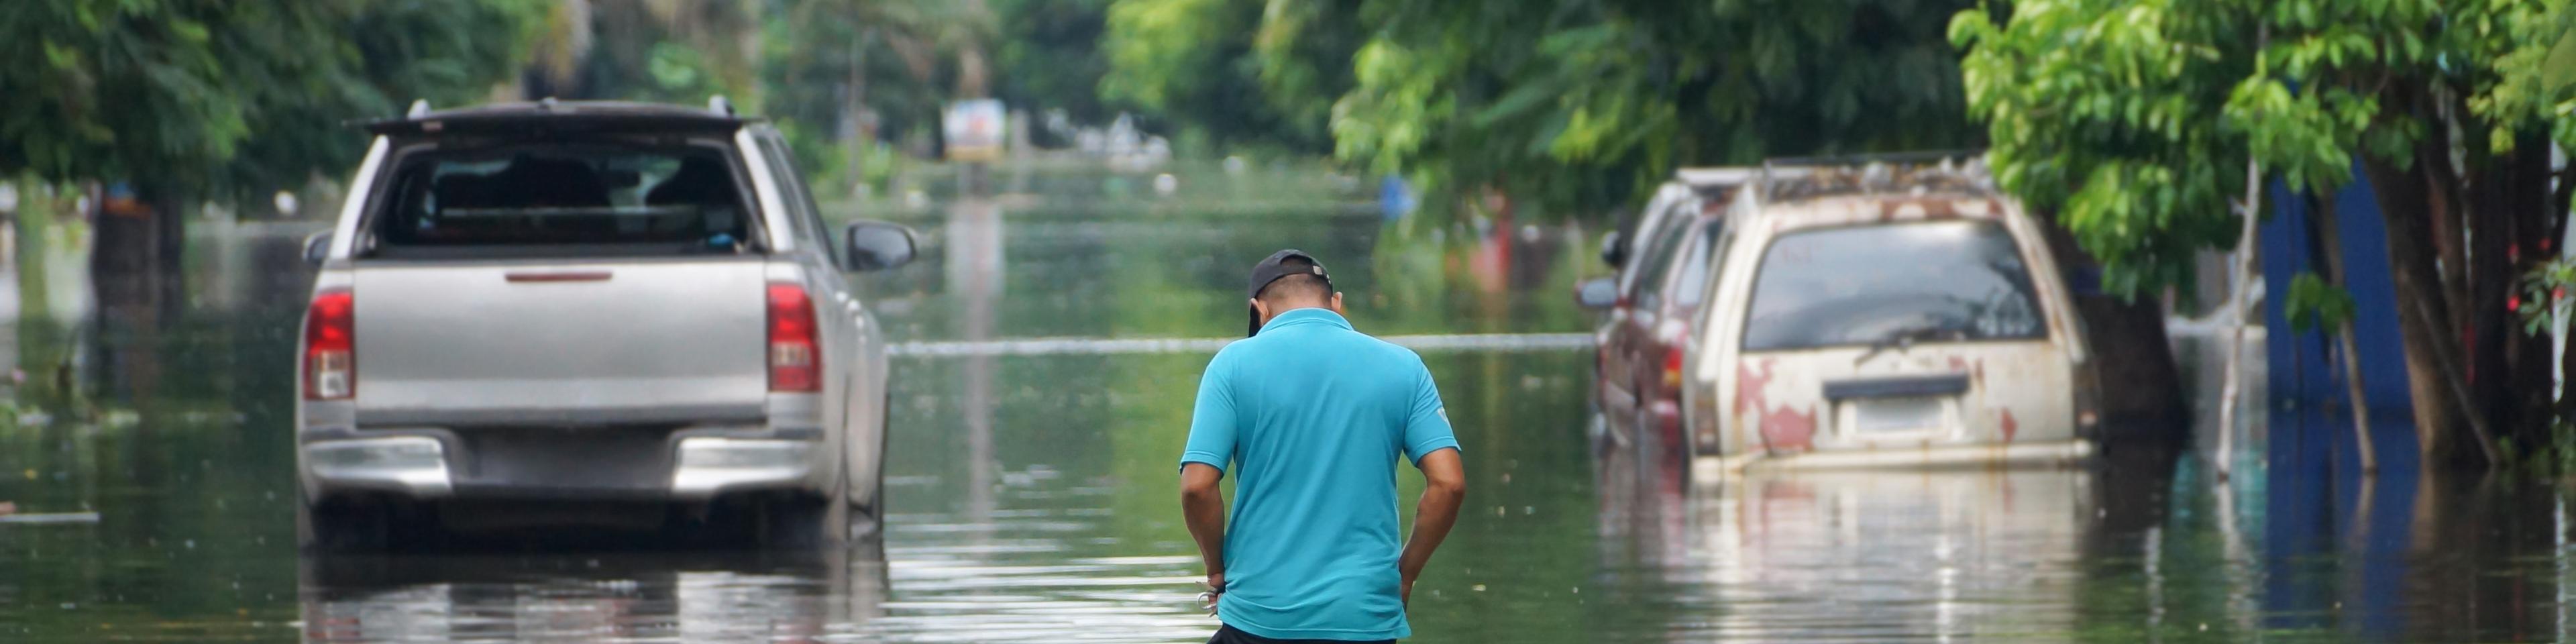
502	343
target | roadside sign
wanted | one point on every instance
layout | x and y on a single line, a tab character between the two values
974	130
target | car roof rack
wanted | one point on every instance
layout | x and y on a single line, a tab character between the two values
549	115
1908	157
1892	172
1718	174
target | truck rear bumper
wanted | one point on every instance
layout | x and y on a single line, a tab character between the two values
414	466
693	464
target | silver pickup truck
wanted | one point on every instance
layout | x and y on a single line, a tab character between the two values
588	313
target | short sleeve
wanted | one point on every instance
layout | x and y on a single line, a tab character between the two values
1212	422
1427	430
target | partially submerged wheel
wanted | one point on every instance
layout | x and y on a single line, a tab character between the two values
802	521
349	525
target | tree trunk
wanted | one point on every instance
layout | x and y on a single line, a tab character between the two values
2405	202
2552	235
2127	341
135	273
2486	277
2524	216
2230	394
856	136
2329	237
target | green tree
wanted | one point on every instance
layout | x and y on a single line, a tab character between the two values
1629	89
853	71
1198	68
210	99
2132	120
666	51
1576	105
1048	56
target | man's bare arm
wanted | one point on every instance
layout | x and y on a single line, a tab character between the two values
1203	508
1444	488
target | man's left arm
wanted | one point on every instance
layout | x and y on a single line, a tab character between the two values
1433	448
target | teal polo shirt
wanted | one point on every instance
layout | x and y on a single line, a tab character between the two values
1309	416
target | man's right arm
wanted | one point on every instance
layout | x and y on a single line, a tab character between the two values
1203	461
1444	488
1203	510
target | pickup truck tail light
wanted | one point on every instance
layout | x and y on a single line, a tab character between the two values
330	346
795	361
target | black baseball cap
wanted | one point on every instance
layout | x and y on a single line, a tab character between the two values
1275	267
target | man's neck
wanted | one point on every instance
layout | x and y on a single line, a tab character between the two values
1304	307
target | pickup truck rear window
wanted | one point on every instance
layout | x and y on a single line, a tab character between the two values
565	199
1951	281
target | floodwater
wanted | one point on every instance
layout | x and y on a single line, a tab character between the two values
1050	353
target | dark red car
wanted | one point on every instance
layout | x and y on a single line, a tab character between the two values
1646	342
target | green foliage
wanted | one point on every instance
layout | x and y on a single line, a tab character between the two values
678	70
1573	105
1614	94
2544	303
2132	120
2551	454
1048	56
822	60
212	97
2533	67
1649	82
2313	304
1194	65
662	51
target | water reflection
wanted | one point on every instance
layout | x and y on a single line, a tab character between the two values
608	597
1852	556
2144	546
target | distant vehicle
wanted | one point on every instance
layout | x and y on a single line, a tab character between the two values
588	312
1888	313
1643	345
973	130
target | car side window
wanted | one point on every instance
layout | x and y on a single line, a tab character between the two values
1697	264
1659	265
1642	241
808	216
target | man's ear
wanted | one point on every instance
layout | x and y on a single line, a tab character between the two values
1337	303
1263	309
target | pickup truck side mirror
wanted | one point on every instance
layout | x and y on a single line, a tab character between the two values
1597	294
877	245
317	247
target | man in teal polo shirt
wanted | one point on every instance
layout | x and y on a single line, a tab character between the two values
1311	416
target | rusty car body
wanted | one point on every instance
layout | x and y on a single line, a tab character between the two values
1882	314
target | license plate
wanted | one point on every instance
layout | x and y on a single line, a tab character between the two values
1886	415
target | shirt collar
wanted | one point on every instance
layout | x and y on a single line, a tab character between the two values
1308	315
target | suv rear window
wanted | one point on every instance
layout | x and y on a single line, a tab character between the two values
1924	282
566	199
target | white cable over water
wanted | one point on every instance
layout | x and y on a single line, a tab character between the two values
1097	346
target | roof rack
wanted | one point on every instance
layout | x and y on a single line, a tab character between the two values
1794	178
1866	158
419	106
1716	174
719	105
557	116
